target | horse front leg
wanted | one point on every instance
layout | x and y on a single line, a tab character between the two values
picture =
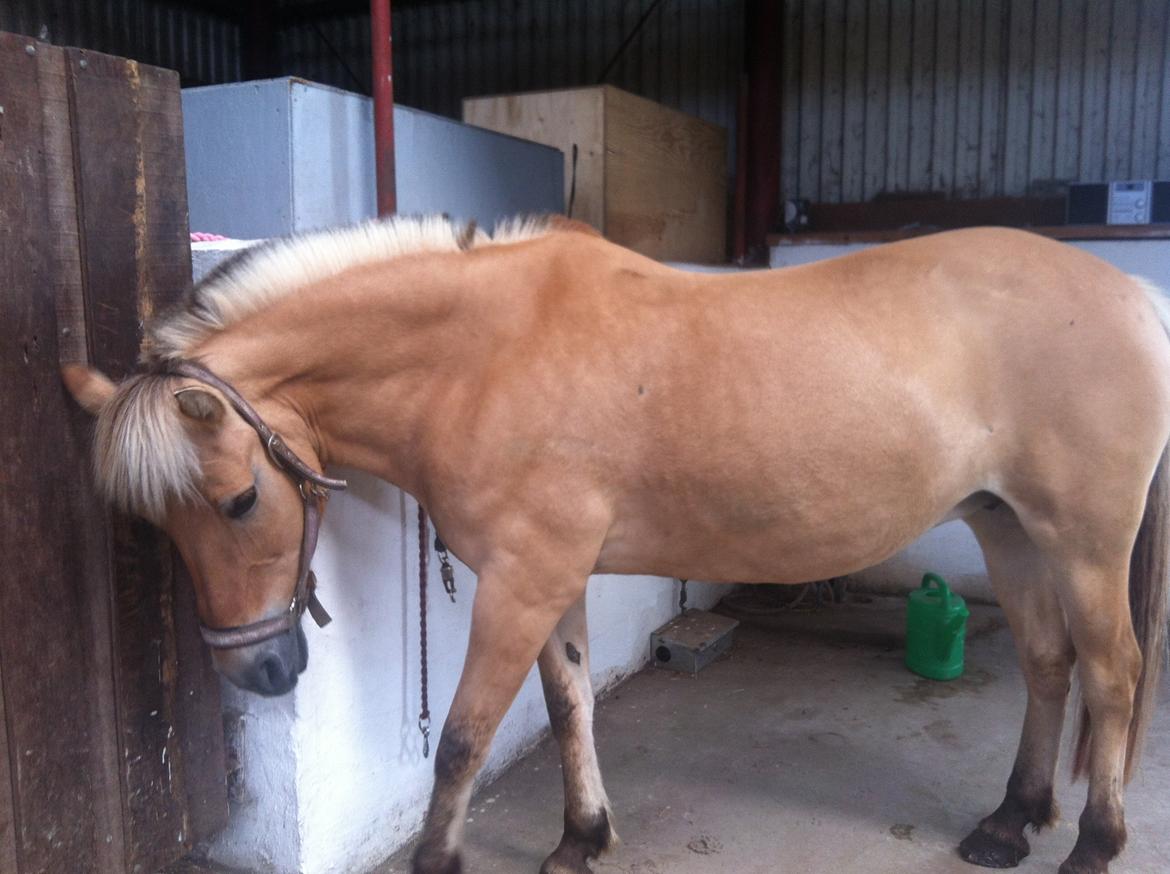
568	693
516	609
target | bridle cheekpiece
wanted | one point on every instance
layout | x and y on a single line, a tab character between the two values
314	490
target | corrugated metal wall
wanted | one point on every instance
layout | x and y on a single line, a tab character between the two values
967	97
972	97
204	47
688	54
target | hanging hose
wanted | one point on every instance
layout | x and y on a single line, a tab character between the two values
753	601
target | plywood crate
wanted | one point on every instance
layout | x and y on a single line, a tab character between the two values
647	177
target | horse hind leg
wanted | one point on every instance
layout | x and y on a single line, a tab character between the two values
568	693
1096	602
1026	589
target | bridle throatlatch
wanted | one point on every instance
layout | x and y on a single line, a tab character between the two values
314	490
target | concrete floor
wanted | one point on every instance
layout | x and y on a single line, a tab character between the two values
810	748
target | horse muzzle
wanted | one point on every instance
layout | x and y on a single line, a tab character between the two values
268	668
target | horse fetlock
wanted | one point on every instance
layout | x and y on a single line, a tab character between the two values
564	861
1025	805
1083	866
1101	839
432	859
585	838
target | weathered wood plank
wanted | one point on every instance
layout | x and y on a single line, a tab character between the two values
832	102
922	72
689	83
1119	115
1018	111
201	766
43	641
899	79
790	102
62	205
1148	89
1071	42
1095	94
811	83
8	821
853	147
877	93
92	538
1045	67
991	100
195	747
946	96
1163	171
136	257
968	125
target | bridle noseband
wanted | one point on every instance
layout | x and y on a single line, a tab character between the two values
314	490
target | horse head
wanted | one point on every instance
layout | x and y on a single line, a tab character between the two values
184	455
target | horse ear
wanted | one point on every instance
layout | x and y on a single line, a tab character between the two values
90	388
200	405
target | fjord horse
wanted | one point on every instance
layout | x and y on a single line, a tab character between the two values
563	407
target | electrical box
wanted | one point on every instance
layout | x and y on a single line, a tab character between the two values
692	640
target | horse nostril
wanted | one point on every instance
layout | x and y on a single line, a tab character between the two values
272	676
274	673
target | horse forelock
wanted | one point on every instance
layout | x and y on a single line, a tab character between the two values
259	275
143	456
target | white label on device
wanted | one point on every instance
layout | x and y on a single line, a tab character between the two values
1129	203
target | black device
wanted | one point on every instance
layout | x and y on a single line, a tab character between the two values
1130	202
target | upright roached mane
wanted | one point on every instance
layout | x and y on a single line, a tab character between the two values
143	457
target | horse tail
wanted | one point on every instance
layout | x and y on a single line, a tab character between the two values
1149	591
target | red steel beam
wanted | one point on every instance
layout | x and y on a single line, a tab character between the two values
383	65
764	46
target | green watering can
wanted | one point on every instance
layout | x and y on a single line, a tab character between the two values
936	623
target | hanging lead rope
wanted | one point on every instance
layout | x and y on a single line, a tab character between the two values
682	596
447	573
424	717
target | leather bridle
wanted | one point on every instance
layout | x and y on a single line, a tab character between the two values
314	490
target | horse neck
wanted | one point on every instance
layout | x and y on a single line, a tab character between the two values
355	363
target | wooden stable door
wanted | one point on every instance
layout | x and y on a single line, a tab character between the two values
111	743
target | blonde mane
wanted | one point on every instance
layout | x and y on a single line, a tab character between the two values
273	269
143	457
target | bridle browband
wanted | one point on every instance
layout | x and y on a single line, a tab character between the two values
314	490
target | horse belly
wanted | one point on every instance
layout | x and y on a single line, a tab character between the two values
821	509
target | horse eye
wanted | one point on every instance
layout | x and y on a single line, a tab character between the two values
241	504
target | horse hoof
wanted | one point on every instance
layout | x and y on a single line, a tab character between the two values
561	863
987	851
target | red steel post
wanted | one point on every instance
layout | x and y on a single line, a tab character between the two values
383	67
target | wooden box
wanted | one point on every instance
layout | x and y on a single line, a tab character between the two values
647	177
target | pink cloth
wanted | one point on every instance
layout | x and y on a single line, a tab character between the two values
201	237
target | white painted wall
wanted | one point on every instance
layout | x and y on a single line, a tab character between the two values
950	549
